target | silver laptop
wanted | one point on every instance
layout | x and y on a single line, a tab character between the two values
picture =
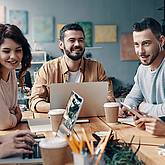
93	93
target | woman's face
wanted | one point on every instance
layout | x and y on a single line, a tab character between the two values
11	54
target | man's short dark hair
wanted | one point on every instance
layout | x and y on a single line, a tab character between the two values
148	23
72	26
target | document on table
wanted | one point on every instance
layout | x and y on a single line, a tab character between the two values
39	125
128	120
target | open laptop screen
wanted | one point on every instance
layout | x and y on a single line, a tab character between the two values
94	95
73	108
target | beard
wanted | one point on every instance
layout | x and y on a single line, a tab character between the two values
154	56
75	56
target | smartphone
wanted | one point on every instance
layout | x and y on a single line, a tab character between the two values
132	110
162	118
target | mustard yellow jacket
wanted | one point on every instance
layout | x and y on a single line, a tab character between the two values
56	71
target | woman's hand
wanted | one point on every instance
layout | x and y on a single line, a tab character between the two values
18	113
16	143
17	134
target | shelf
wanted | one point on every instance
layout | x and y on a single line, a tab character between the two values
37	62
38	57
95	47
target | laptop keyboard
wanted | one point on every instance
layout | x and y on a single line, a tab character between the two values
36	152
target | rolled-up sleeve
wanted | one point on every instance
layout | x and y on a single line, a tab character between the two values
39	89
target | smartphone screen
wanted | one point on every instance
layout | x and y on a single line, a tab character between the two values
132	110
162	118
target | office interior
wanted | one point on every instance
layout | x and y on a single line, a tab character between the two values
119	13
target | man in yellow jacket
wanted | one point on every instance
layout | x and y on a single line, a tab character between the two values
71	67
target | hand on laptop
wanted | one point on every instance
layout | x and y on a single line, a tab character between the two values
16	143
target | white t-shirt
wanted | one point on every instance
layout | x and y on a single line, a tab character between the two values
74	76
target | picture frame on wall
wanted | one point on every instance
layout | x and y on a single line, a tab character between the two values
2	14
58	28
88	30
20	19
127	51
43	29
105	33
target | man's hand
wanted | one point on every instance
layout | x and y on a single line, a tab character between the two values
153	125
42	106
123	112
136	119
43	91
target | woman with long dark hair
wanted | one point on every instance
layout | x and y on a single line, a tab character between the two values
14	51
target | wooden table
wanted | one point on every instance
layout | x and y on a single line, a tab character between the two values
149	144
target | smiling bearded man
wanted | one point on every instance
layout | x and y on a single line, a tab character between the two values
71	67
148	92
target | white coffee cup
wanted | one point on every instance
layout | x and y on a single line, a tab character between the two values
111	111
81	159
53	150
56	118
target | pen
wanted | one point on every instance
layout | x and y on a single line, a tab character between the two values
96	137
132	110
92	147
103	145
98	148
87	140
72	145
140	124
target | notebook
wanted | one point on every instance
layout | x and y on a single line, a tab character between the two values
93	93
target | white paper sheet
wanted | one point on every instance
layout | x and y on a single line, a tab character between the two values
39	125
127	120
